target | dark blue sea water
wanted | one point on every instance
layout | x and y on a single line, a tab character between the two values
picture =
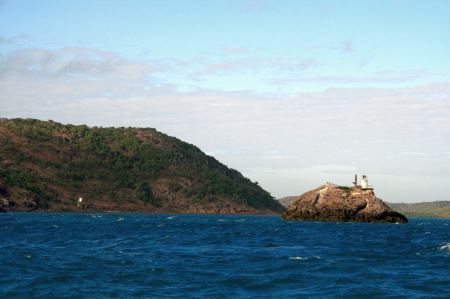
45	255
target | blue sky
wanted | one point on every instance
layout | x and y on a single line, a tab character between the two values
291	93
263	46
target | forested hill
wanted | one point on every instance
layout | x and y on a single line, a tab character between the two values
46	165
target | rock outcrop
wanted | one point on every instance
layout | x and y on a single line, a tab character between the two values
342	204
26	201
4	194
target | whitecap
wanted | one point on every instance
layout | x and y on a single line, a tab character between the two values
171	217
445	247
120	219
297	258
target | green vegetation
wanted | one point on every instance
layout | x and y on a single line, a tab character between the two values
57	163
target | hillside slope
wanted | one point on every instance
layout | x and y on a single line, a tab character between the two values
45	165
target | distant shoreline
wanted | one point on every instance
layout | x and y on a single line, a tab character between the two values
134	212
432	209
410	216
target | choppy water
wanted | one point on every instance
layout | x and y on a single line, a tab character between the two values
136	255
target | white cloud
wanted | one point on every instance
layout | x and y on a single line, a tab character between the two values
369	129
374	78
252	64
346	47
71	62
233	50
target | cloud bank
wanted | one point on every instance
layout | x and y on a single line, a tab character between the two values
393	132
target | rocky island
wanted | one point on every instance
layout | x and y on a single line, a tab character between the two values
331	202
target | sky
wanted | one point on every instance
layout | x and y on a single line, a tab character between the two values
292	94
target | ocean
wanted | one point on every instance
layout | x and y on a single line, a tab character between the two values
67	255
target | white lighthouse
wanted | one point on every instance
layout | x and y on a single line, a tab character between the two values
365	182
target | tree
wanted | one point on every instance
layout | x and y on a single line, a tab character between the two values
143	191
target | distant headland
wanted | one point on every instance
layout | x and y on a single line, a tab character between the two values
432	209
48	166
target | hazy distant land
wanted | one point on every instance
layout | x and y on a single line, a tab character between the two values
434	209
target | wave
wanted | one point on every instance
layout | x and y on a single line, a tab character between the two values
200	256
445	247
303	258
